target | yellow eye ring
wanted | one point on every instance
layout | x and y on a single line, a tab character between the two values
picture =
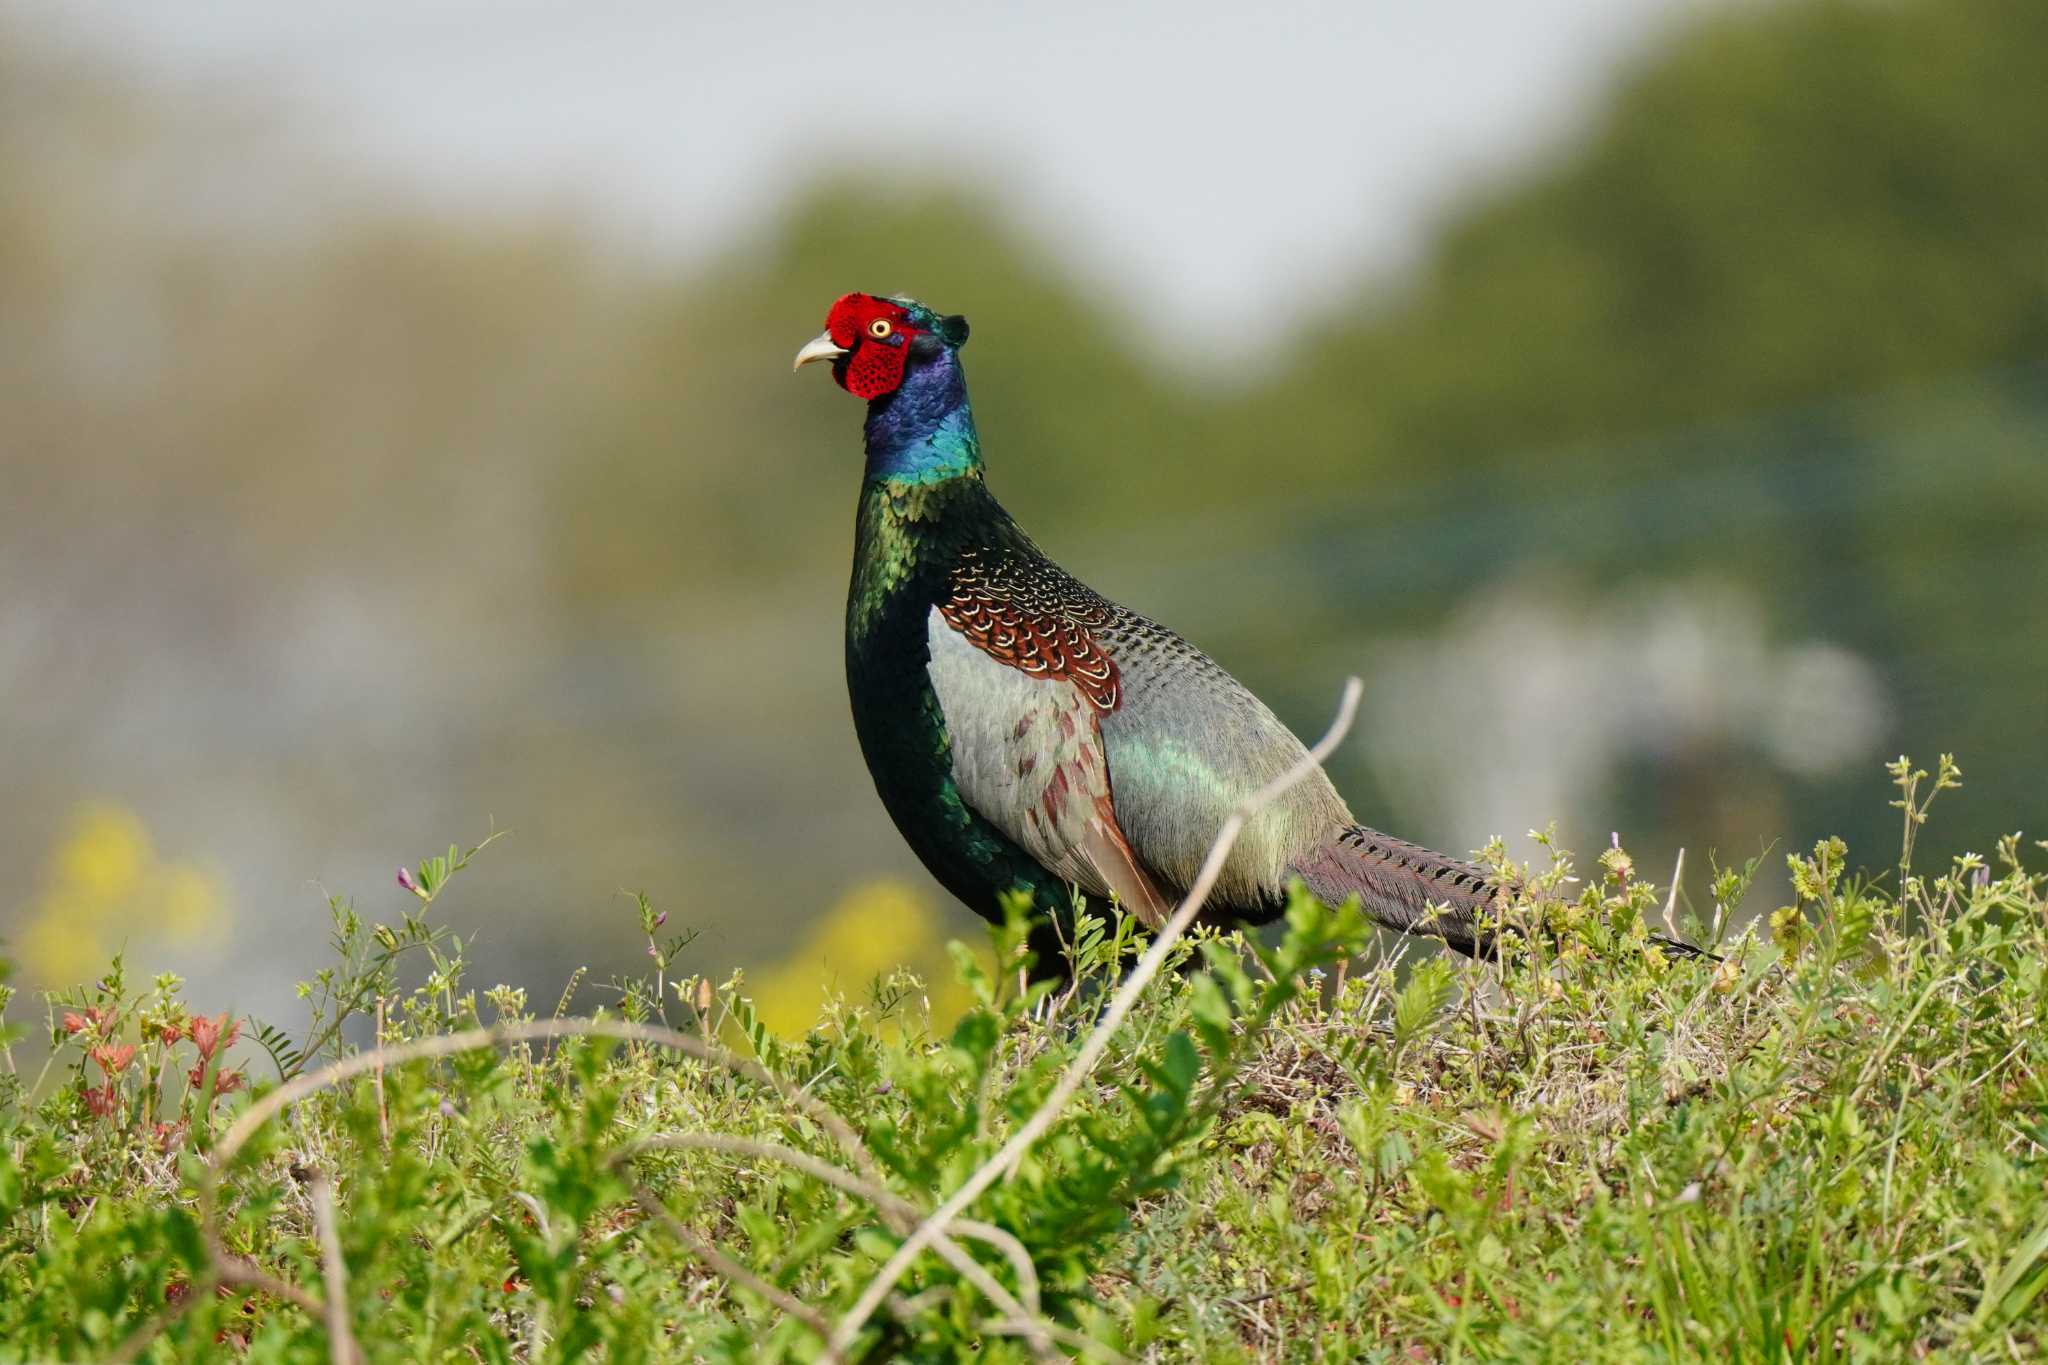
880	328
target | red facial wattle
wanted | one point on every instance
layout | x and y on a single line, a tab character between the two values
875	369
873	366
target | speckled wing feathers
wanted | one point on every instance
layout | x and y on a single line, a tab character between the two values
1027	755
1188	745
1181	741
1034	618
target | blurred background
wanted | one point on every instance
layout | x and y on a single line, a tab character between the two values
397	439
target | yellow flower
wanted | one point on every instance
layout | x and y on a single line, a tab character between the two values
104	856
873	929
104	886
56	949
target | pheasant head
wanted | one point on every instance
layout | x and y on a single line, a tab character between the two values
873	341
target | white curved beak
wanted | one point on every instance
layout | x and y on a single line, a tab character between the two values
822	347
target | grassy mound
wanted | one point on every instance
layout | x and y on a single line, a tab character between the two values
1833	1143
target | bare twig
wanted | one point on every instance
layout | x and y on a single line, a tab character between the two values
236	1271
726	1267
250	1121
383	1114
230	1270
1671	901
1295	1288
540	1213
525	1030
901	1215
1066	1336
136	1342
341	1341
224	1269
899	1212
1078	1071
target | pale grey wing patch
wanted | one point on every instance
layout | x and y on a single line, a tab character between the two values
1185	746
1027	756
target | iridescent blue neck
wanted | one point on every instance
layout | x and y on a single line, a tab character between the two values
924	431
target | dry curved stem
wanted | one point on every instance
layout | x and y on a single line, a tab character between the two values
1066	1336
527	1030
1671	901
236	1271
136	1342
341	1341
901	1215
223	1270
226	1269
229	1270
251	1120
1083	1065
725	1267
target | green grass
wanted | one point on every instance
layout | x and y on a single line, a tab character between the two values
1831	1145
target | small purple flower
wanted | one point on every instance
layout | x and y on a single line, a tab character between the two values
405	880
653	952
661	919
447	1109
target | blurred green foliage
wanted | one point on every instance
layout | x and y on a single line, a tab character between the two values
373	519
1791	203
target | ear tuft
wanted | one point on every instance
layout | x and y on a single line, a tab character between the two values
953	329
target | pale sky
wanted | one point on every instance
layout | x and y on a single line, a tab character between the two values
1194	157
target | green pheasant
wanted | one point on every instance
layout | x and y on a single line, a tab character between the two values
1026	733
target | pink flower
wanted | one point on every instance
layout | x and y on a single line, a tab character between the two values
405	880
211	1035
225	1082
113	1058
103	1101
95	1018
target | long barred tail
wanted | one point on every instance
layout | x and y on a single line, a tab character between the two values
1398	882
1416	891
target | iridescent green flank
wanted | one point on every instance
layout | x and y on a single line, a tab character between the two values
907	539
899	528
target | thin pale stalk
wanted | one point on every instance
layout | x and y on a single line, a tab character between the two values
341	1339
900	1213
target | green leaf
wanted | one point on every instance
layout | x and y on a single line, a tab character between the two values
1429	989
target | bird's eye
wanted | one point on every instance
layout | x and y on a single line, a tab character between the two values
880	328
